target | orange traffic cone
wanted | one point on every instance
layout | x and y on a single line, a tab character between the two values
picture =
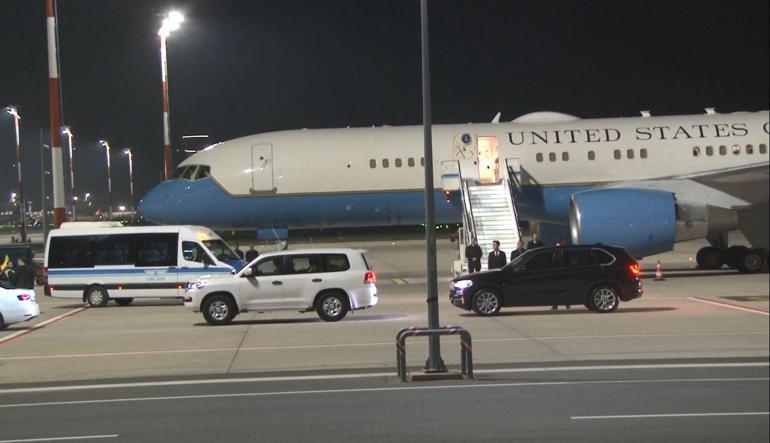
658	272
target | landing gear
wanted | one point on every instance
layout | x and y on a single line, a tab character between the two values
742	258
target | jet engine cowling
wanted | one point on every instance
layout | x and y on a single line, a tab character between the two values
641	220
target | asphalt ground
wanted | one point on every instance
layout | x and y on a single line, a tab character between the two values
694	315
705	400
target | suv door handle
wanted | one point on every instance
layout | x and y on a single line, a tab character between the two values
277	283
318	280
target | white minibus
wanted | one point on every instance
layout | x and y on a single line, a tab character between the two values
99	261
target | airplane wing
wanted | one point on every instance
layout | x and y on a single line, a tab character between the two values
730	188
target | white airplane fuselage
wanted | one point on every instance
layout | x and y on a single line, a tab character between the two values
374	176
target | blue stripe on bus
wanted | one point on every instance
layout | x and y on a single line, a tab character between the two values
135	271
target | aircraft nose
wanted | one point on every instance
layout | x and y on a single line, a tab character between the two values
153	205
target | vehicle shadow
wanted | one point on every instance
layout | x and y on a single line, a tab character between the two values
575	310
278	321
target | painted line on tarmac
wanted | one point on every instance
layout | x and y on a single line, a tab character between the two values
731	305
387	389
399	281
79	437
285	378
703	414
349	345
41	325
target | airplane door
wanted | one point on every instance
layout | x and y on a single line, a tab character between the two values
262	168
489	160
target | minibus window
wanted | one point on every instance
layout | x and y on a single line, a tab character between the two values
193	252
221	250
156	249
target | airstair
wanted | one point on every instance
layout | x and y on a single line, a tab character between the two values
489	213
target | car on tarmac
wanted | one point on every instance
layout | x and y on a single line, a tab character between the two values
328	281
16	305
597	276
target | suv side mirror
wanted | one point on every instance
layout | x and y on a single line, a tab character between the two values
248	272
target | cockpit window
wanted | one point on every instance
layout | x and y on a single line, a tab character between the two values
192	172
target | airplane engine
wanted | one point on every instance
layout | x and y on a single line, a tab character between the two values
641	220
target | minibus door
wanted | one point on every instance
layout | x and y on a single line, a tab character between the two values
193	264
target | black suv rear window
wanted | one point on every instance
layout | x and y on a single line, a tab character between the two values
603	257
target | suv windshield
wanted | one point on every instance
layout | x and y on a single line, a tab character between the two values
221	250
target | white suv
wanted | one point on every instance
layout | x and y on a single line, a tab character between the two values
329	281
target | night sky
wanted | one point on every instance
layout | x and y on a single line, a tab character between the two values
238	67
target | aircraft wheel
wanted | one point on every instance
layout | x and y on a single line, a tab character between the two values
710	258
733	255
750	261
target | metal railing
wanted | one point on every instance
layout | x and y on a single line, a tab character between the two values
466	347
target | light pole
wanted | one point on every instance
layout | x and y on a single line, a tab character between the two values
23	217
109	178
66	131
170	23
127	151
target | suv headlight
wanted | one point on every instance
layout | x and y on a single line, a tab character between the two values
462	284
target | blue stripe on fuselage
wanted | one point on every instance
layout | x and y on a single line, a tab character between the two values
203	202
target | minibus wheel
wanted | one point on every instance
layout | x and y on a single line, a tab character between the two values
97	296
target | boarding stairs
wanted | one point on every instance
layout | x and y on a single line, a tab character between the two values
489	213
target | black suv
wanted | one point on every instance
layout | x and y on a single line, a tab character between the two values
596	276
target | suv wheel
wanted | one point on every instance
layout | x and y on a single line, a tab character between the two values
604	299
486	302
3	325
97	296
218	310
332	306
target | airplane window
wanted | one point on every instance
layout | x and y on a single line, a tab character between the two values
763	149
385	163
565	156
539	157
552	156
189	173
695	151
591	155
203	172
178	172
749	149
617	154
722	150
372	163
643	153
398	163
630	153
709	150
410	162
736	149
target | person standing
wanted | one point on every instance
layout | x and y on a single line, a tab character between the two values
238	251
24	278
535	242
496	259
251	254
519	249
473	254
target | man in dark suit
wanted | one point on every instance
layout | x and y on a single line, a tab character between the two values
473	254
25	275
496	259
535	242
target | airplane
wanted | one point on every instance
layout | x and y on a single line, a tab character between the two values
642	182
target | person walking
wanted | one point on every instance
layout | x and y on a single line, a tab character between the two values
559	242
496	259
535	242
519	249
251	254
24	278
473	254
